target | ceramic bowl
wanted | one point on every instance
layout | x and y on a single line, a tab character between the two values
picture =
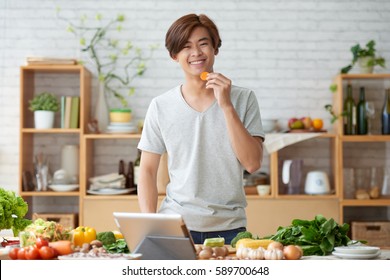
269	125
120	115
263	190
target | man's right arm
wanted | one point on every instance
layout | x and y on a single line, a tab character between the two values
147	182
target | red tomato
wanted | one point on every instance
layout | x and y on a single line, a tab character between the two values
47	253
22	254
40	242
13	253
32	253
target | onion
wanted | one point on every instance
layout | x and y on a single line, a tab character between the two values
275	245
205	254
292	252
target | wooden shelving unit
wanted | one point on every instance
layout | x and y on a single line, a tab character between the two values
29	81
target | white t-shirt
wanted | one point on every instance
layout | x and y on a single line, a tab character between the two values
206	179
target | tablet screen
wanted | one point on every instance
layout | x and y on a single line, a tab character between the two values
136	226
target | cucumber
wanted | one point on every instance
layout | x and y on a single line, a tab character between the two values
214	242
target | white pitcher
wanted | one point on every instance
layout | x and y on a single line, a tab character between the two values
70	162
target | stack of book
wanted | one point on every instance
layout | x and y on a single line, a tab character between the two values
70	111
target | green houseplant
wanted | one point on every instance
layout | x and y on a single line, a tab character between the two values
366	59
44	106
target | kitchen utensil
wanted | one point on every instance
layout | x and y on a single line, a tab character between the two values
292	176
317	182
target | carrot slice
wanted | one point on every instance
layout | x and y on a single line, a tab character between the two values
203	75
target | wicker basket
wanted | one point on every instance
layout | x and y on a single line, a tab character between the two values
66	219
375	233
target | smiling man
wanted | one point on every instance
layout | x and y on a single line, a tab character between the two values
211	131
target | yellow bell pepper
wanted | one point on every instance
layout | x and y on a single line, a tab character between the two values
118	234
83	235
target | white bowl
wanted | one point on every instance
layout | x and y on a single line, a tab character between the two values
263	190
269	125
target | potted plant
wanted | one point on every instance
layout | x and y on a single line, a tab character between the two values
365	57
117	62
44	106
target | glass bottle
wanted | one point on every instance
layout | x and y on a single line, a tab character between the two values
130	176
361	113
136	168
386	113
349	113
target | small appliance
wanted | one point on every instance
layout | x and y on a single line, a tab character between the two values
317	182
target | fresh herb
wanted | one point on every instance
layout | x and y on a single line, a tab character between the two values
119	246
12	211
315	237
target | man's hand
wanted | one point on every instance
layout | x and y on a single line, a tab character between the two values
221	86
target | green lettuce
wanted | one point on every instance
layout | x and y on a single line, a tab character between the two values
12	211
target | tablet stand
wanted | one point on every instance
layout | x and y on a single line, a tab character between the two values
166	248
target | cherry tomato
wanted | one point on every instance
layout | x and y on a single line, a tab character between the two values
22	254
47	252
40	242
13	253
32	253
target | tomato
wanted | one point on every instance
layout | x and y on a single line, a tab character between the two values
40	242
47	252
32	253
22	254
13	253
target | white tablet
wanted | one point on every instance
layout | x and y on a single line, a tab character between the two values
135	227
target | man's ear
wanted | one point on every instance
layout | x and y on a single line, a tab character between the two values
216	51
174	57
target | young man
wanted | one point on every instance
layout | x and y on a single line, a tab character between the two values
211	131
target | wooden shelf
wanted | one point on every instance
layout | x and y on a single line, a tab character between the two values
365	138
50	193
52	130
112	136
365	76
366	202
306	196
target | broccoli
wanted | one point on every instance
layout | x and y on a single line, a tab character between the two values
106	237
240	235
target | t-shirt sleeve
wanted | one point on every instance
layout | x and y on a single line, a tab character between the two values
252	120
151	138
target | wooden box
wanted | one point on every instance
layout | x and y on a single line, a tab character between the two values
64	219
375	233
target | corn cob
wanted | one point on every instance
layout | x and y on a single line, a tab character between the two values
253	243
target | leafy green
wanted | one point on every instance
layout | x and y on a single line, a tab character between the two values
316	237
120	246
49	230
240	235
106	237
12	211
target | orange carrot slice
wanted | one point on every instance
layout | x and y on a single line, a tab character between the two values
203	75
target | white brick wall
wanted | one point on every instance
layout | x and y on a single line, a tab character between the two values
287	51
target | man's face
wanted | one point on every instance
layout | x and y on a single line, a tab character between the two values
198	53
